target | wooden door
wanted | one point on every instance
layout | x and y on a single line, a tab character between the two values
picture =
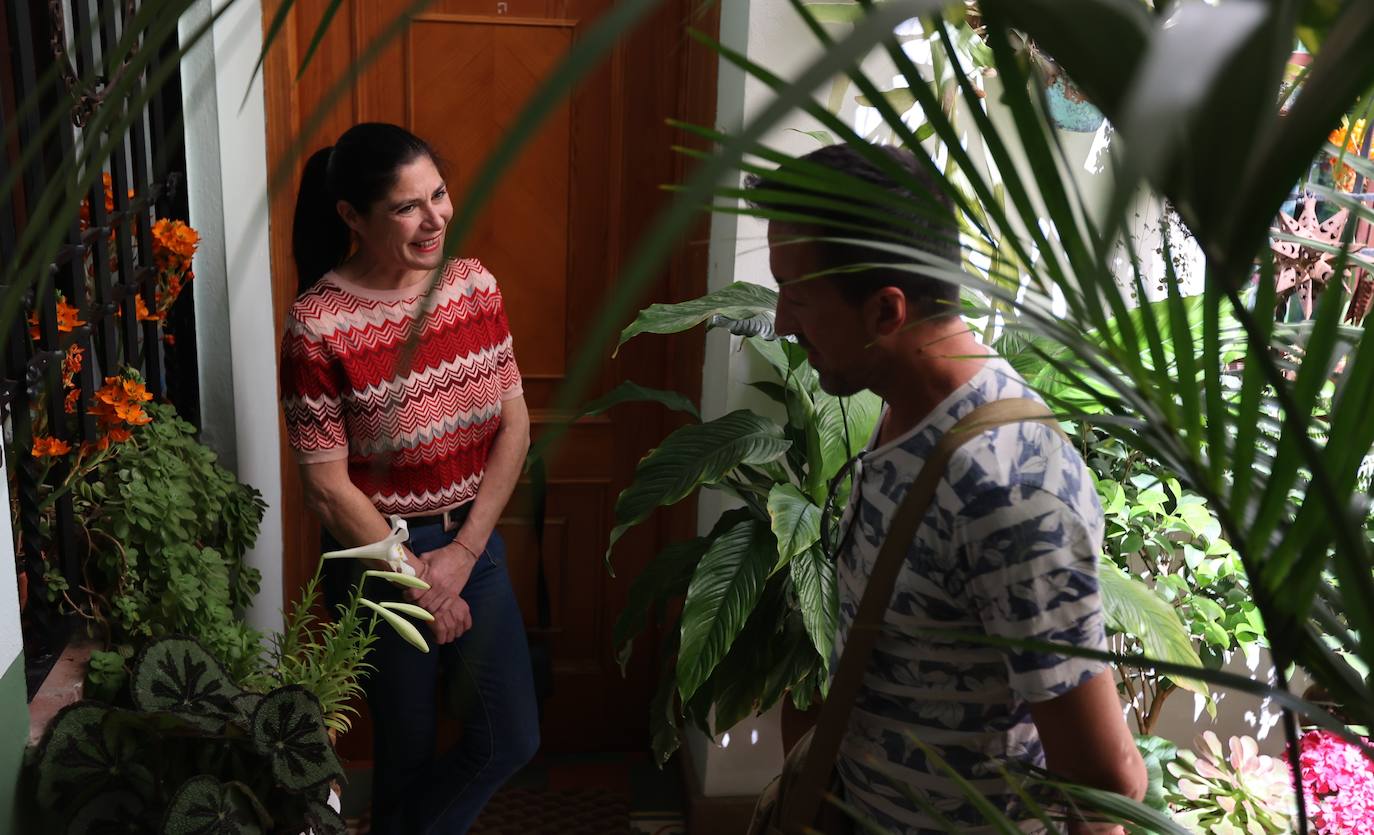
553	235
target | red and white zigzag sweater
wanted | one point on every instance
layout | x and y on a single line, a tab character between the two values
416	439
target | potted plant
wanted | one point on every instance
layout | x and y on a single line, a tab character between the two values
183	746
192	752
758	598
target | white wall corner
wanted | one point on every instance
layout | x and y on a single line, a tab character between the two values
11	636
226	157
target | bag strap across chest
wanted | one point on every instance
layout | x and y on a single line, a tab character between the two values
804	800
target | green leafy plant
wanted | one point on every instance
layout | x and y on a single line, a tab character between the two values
329	657
758	596
1166	535
1157	753
168	528
194	753
326	657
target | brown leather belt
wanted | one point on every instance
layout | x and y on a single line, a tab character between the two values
450	519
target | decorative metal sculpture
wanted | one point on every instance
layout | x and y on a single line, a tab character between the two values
1306	270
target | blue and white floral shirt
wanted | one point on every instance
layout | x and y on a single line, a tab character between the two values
1009	547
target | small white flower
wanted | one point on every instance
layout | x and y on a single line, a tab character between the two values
388	550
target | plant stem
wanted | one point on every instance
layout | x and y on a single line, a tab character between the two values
1156	705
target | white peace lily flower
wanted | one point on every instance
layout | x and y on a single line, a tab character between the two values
388	550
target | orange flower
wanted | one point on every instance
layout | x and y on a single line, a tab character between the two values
174	243
71	365
69	404
143	314
117	406
119	434
132	414
135	390
46	446
1352	140
68	317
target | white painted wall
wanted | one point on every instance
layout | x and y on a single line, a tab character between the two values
226	158
11	637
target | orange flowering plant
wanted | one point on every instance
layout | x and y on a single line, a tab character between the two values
165	531
1351	138
174	245
162	529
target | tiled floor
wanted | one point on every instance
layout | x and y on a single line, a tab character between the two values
589	794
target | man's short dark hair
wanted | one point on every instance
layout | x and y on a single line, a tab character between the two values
920	217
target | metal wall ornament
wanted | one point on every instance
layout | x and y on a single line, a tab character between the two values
1305	271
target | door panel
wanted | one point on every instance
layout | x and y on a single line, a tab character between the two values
553	233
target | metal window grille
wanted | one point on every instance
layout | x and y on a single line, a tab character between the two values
55	54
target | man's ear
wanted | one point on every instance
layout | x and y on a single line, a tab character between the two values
887	311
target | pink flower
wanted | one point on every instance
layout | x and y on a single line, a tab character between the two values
1338	784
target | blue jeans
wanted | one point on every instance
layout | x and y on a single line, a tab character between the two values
486	673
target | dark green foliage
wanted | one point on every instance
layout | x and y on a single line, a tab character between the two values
195	755
325	657
169	528
289	730
758	597
1157	752
205	806
324	820
178	676
105	676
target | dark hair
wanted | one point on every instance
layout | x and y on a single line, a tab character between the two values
906	207
360	168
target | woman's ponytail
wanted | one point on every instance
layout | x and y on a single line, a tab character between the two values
319	237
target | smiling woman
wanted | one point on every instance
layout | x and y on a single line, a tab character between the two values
436	436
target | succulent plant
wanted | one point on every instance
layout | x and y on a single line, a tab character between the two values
1231	791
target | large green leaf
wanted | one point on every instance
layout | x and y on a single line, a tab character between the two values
741	677
205	806
323	819
845	425
631	392
178	675
798	668
740	300
662	579
720	598
1132	607
796	522
693	456
289	730
75	761
1157	753
813	575
664	716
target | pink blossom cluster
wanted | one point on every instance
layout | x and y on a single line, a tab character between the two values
1337	783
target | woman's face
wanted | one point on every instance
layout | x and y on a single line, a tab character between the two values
406	227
